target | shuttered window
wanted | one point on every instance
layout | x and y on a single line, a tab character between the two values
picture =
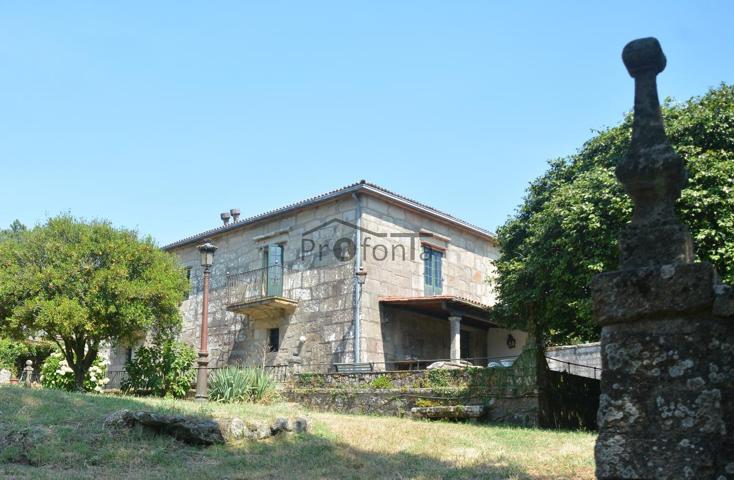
432	273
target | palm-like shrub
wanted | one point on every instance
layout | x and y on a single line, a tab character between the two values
241	384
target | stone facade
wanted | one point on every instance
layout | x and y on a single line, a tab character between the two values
322	285
316	316
396	261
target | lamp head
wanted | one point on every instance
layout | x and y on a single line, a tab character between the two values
361	275
207	250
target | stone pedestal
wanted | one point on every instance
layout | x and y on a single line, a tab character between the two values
668	362
666	409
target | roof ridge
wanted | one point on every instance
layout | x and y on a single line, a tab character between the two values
330	194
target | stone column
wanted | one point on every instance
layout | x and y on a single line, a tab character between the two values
666	408
455	349
28	374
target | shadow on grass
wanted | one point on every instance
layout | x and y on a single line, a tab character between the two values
76	445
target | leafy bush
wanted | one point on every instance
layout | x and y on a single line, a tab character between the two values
381	382
438	378
13	354
10	351
425	402
241	384
165	369
56	373
313	380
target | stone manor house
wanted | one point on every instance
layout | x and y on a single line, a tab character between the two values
360	274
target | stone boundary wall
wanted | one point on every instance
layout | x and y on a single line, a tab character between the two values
487	381
517	410
519	379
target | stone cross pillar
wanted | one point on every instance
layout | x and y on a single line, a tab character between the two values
666	408
455	346
28	374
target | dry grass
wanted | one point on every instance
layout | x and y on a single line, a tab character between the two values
338	446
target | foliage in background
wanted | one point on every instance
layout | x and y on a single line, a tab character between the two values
13	354
15	230
567	228
56	373
80	284
164	368
241	384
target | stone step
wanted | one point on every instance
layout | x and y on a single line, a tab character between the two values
448	412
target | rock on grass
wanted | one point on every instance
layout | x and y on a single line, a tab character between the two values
203	431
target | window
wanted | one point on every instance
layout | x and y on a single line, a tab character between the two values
432	273
188	280
273	339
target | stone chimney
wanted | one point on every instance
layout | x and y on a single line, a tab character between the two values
235	214
666	409
225	216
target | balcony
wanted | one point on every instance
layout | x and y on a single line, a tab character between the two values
259	293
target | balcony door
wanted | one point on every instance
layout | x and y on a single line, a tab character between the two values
274	270
432	271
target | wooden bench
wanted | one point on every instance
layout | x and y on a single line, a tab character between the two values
354	367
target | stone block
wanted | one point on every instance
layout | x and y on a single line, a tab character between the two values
649	246
619	456
628	295
192	430
448	412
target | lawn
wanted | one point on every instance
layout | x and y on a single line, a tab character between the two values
75	445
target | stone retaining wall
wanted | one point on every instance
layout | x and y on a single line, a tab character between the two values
520	410
518	380
497	382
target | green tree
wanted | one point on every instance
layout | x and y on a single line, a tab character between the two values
82	284
568	226
16	228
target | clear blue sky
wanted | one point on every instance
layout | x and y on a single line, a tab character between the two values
160	115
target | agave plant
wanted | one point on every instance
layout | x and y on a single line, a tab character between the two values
241	384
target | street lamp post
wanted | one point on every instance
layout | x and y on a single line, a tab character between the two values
207	259
361	277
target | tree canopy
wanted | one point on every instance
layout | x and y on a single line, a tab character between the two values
16	228
567	228
84	283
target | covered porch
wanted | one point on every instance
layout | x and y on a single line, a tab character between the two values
419	330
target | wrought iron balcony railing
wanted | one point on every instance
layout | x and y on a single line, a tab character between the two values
255	284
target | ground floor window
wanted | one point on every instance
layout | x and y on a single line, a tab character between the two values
273	339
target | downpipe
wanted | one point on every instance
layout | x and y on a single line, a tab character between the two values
357	285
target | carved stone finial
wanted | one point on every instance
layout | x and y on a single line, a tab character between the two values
643	54
652	172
